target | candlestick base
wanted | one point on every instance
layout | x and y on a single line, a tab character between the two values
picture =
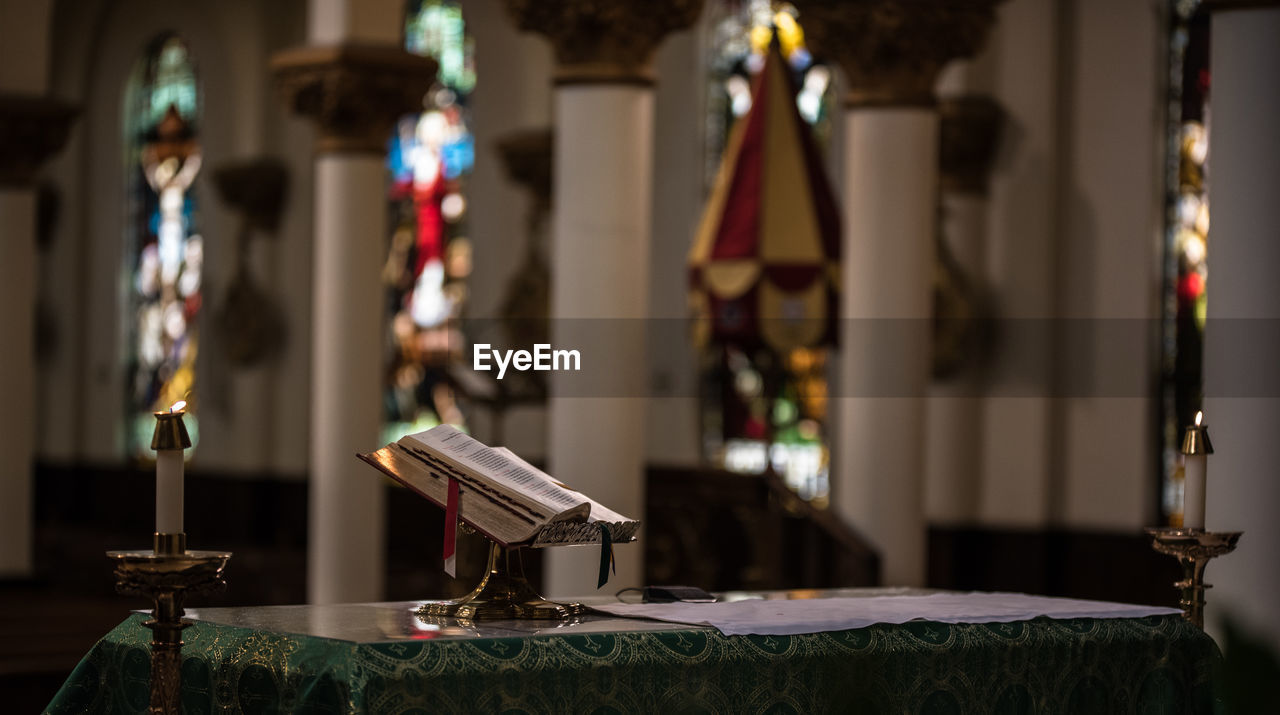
1193	548
167	577
503	594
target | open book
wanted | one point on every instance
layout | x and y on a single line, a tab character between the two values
500	495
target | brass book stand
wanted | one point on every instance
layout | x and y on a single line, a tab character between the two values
503	594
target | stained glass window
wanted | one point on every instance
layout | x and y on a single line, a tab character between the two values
765	411
1186	239
164	249
762	410
429	158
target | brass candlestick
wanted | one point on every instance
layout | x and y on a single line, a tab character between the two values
503	594
1193	548
167	574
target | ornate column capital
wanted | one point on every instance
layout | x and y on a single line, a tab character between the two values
355	93
604	41
969	135
892	50
32	129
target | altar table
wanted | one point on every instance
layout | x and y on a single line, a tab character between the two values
382	658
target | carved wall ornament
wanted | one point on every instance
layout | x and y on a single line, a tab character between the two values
604	41
892	50
355	93
969	135
255	189
526	154
32	129
249	323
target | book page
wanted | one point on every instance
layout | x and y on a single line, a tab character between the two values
622	529
515	474
599	512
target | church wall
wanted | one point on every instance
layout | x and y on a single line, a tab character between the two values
24	65
1241	403
62	268
377	21
1073	233
1018	67
513	93
240	406
1110	263
678	193
238	409
290	139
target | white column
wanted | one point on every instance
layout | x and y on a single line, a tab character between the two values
346	525
889	218
953	448
355	80
1242	339
603	170
24	73
17	378
600	270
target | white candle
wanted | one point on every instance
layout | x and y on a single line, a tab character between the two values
169	491
169	477
1195	469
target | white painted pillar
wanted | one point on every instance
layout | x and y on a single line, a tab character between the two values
889	219
1242	339
600	248
355	80
347	509
891	55
32	126
17	378
600	269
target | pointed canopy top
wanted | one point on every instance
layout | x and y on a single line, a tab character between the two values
770	233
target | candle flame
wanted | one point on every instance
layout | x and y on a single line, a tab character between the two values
1199	416
181	404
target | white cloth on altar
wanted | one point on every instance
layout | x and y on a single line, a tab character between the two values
793	617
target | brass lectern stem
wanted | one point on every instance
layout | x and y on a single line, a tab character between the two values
503	594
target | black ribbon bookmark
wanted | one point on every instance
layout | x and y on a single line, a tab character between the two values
606	555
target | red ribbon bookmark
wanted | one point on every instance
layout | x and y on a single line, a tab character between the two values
451	530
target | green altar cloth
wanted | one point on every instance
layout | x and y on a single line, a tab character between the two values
1159	664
